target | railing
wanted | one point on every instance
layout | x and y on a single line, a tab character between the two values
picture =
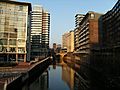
10	80
31	74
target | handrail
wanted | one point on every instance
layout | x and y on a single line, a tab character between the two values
23	77
38	63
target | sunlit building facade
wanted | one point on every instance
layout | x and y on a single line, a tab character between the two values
68	41
14	30
78	19
88	33
64	40
40	26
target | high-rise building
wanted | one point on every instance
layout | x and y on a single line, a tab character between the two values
68	41
45	28
110	29
64	40
78	19
40	26
88	33
14	30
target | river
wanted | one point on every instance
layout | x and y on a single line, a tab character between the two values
72	76
56	77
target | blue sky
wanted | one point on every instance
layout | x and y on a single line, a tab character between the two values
63	13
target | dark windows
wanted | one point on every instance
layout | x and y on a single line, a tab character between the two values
20	8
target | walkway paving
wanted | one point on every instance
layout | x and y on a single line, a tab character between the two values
9	72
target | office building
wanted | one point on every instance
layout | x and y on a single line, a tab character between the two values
40	25
64	40
14	30
68	41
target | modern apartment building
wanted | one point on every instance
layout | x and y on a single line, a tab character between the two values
78	19
40	26
14	30
64	40
45	28
88	33
110	31
68	41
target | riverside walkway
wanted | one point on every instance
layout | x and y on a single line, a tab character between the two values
10	73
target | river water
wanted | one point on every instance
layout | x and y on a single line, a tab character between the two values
72	76
56	77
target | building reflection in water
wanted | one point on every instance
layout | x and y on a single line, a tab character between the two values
68	76
41	83
72	78
57	77
60	76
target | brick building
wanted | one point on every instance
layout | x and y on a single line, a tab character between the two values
88	33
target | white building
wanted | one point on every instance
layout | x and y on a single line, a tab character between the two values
68	41
40	23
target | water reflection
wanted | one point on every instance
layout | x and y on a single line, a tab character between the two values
68	76
99	74
96	72
41	83
57	77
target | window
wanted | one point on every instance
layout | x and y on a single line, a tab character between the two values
12	49
3	41
21	50
21	41
20	8
12	42
13	35
1	48
1	11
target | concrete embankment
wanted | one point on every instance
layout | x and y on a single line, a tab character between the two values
29	76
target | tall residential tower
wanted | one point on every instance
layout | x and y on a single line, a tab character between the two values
78	19
40	27
88	34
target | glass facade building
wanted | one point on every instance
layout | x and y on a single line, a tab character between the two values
40	25
14	28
